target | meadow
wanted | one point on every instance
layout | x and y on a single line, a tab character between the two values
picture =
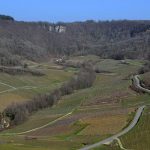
96	112
24	87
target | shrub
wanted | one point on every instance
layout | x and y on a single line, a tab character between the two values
20	112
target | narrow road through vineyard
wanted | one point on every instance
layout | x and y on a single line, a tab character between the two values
138	114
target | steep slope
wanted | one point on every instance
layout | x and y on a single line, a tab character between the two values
109	39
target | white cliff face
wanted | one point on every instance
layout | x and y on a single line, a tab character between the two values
60	29
50	29
57	28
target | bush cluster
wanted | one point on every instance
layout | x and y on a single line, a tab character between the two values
19	112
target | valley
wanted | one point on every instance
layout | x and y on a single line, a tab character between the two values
82	118
75	75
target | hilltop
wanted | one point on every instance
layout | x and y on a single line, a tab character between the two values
42	40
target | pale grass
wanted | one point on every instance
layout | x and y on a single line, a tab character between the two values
106	124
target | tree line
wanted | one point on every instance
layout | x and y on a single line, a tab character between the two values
107	39
5	17
19	112
20	71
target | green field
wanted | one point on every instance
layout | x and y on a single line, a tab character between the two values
43	84
106	105
138	138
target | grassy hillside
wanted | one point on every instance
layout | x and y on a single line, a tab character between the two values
138	138
24	87
89	112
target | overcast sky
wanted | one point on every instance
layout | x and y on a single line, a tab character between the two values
75	10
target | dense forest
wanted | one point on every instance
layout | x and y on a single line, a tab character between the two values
42	40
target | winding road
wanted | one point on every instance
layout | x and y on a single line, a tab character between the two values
138	114
136	83
126	130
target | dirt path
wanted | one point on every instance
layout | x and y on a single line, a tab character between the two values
12	88
7	85
41	127
120	144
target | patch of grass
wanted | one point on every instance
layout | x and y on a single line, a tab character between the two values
104	124
68	69
146	79
138	138
136	100
104	147
129	119
44	84
85	58
75	130
3	87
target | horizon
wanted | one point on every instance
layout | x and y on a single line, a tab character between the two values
66	11
76	21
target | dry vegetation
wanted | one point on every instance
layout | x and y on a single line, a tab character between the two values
146	79
138	138
104	124
93	107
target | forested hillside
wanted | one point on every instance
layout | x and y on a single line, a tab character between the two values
40	40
